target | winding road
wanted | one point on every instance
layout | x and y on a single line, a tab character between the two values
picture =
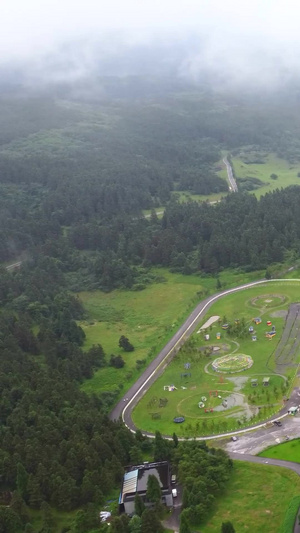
157	366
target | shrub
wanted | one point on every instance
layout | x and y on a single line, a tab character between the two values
287	525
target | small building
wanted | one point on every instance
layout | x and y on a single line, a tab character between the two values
254	382
225	326
293	410
266	382
135	482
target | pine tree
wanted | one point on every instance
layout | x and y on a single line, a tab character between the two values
22	480
150	522
153	493
135	524
184	525
175	440
139	505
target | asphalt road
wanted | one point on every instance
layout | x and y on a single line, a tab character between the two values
233	186
131	398
155	369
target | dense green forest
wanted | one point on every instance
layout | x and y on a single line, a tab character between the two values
66	163
75	175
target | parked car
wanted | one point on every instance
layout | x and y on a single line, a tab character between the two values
174	493
278	423
173	479
234	439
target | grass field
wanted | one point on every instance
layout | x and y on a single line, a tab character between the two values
256	499
287	451
287	173
158	407
148	318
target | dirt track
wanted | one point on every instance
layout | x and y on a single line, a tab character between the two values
290	340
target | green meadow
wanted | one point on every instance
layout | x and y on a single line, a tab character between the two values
148	318
250	496
287	451
286	172
158	406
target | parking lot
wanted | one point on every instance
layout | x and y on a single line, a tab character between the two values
254	442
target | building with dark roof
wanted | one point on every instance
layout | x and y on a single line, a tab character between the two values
135	482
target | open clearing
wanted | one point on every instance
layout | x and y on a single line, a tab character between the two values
249	499
191	376
286	172
148	318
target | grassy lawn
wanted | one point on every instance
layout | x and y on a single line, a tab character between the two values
186	196
287	451
158	407
287	173
148	318
256	499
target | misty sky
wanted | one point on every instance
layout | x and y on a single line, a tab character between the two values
251	39
34	26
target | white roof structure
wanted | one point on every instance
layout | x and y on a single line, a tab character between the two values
129	483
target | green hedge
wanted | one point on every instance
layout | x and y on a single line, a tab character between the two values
287	525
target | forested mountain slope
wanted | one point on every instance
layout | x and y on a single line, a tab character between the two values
75	174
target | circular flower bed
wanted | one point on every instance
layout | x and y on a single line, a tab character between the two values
232	363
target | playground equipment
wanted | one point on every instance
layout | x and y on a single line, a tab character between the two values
225	326
203	399
270	334
269	323
254	338
187	366
213	393
186	375
178	419
256	320
201	405
208	410
170	388
251	329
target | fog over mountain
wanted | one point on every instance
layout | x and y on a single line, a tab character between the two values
250	44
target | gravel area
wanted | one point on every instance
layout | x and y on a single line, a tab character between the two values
209	322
